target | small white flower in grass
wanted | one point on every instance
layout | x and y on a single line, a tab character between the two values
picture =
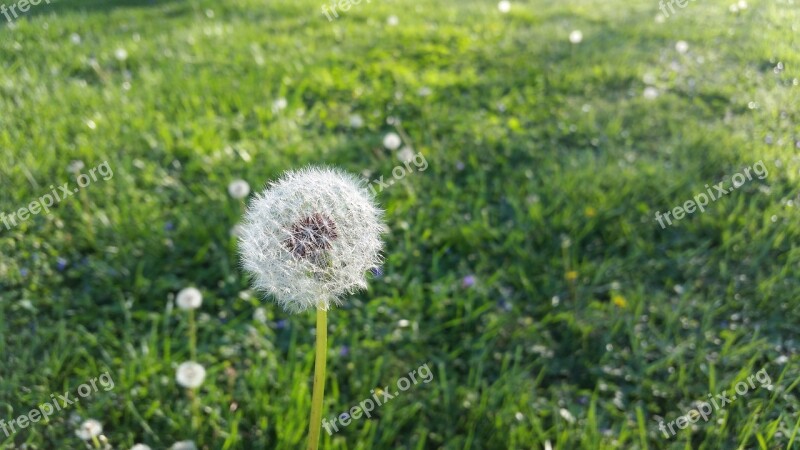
311	237
189	298
504	6
75	166
519	416
121	54
239	189
392	141
75	38
356	121
89	429
190	375
424	91
260	315
576	37
566	415
405	154
650	93
184	445
392	21
742	4
660	18
279	105
141	447
682	46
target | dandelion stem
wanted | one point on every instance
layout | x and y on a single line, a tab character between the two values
319	380
192	336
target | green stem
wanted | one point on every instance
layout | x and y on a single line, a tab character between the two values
192	336
195	399
315	424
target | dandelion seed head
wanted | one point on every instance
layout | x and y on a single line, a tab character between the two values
392	141
576	37
184	445
190	375
121	54
650	93
356	121
89	429
311	237
189	298
239	189
279	105
75	166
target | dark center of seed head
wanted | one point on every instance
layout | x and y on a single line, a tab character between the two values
310	236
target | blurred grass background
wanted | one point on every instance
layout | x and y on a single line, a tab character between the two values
586	324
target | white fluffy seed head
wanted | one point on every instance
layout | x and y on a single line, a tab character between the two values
392	141
89	429
189	298
238	189
184	445
141	447
311	237
190	375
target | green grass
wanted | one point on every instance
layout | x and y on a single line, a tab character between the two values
546	163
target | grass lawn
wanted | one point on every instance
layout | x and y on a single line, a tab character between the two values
525	265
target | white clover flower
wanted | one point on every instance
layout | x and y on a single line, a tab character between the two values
189	298
311	237
682	46
141	447
190	375
89	429
239	189
184	445
392	141
504	6
576	37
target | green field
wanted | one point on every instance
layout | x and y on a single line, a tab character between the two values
524	265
